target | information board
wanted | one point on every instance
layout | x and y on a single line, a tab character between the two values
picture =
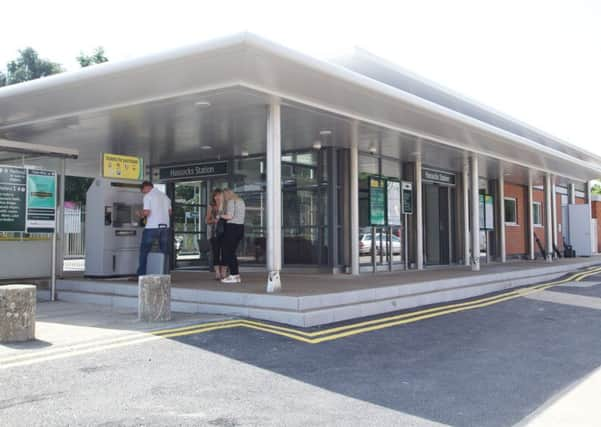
13	187
393	202
407	198
117	166
198	170
377	201
41	201
487	212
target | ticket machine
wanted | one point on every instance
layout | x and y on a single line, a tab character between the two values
113	228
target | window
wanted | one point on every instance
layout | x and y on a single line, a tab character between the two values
511	211
537	214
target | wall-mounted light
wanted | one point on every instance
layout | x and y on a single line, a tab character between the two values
244	153
373	149
317	145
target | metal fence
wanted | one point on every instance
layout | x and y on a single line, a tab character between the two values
74	236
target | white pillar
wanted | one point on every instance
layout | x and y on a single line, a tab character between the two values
354	197
466	212
475	258
501	204
531	254
548	219
419	219
274	196
554	213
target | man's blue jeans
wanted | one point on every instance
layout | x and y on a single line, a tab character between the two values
148	238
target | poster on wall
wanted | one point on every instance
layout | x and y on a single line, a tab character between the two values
41	201
393	202
13	187
117	166
407	201
377	201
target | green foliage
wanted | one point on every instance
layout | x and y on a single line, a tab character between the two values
29	66
76	188
97	57
596	189
2	79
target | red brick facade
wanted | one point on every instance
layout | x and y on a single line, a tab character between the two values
516	235
596	208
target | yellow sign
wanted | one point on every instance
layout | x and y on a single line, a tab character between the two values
122	167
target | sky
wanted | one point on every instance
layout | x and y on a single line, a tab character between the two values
537	61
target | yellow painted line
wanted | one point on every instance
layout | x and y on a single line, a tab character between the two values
315	337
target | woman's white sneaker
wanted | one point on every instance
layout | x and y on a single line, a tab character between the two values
231	279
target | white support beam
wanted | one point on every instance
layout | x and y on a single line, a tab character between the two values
548	219
419	218
274	196
554	232
354	197
501	205
37	149
466	211
475	258
531	254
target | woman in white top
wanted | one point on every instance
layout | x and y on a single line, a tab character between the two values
235	210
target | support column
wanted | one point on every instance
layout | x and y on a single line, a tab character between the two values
466	212
475	258
274	197
419	218
501	204
531	254
332	237
354	177
554	213
572	194
548	219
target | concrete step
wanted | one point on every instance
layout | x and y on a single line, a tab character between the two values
314	310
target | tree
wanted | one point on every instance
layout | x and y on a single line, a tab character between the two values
97	57
2	79
29	66
596	189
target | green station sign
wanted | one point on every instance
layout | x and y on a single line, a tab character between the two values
377	201
13	187
27	200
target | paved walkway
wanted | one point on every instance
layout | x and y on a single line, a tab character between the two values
64	325
300	284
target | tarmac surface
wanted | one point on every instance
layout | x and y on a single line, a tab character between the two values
518	361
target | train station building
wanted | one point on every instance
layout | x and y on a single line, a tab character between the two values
347	166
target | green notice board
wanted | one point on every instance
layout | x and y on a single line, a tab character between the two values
41	200
13	187
377	201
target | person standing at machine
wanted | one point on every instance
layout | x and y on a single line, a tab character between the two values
235	210
216	232
156	211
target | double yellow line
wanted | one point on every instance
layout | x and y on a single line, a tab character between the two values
330	334
309	337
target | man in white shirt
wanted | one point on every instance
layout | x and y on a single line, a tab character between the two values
157	210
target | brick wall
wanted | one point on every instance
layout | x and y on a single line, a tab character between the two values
596	208
515	235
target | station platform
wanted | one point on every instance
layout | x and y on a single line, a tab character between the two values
312	299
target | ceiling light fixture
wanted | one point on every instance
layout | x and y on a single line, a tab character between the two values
202	104
325	132
206	147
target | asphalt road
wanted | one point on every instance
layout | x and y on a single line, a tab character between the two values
491	366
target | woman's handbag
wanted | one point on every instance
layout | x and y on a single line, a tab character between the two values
220	228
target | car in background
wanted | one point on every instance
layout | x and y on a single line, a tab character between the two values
365	244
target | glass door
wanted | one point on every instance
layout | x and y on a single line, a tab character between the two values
189	210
